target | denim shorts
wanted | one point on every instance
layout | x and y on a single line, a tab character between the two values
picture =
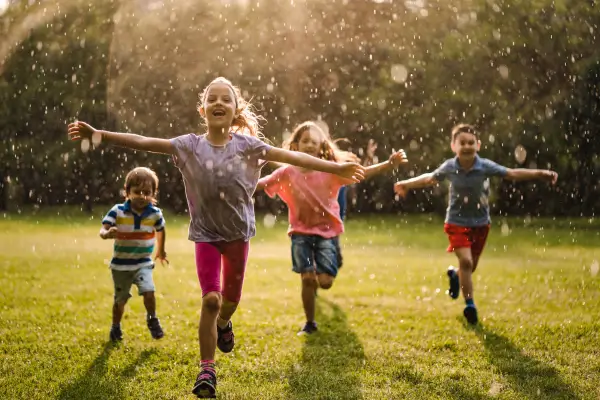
142	278
314	252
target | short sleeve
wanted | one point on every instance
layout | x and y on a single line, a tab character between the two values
493	169
159	225
184	147
254	148
273	184
111	217
441	173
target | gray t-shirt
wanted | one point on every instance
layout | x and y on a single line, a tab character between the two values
469	190
219	183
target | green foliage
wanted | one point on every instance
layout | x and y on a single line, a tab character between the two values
526	72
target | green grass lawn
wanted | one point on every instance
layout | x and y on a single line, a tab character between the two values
387	328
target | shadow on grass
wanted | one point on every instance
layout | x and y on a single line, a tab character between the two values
98	383
332	359
528	377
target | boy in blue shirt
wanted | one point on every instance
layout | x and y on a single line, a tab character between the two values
467	220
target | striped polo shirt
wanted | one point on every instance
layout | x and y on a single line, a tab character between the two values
135	238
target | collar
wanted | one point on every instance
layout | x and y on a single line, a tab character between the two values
477	165
127	207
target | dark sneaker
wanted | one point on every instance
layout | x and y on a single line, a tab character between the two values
116	334
206	385
225	338
155	328
470	314
308	328
454	290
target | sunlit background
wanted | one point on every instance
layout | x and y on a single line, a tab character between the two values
401	73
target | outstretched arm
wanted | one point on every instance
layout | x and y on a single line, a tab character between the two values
401	188
394	161
352	171
523	174
81	130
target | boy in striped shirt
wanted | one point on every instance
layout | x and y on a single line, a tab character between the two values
135	225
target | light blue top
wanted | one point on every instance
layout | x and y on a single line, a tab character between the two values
469	190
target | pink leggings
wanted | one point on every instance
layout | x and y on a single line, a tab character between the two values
208	266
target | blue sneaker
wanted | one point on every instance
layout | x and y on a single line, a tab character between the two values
309	328
454	290
470	313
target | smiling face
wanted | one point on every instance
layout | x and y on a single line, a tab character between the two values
310	142
219	106
140	196
465	145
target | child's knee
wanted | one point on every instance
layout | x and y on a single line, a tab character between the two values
466	264
325	281
211	302
309	280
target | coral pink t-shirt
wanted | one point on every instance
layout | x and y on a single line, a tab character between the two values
311	197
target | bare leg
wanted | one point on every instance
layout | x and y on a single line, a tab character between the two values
150	303
207	330
309	284
465	271
117	312
227	310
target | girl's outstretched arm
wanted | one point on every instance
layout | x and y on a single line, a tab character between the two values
395	160
81	130
523	174
352	171
401	188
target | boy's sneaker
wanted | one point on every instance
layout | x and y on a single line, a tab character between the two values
308	328
155	328
225	338
116	334
470	313
206	385
454	283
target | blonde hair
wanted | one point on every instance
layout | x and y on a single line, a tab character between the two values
140	176
246	122
328	151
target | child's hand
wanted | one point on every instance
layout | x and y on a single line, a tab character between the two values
353	171
80	130
550	176
109	234
161	255
400	189
398	158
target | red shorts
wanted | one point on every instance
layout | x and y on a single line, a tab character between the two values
465	236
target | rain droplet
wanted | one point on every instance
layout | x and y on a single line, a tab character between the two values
270	87
222	195
414	145
399	73
520	154
503	69
85	145
504	230
209	164
492	139
269	220
96	138
594	268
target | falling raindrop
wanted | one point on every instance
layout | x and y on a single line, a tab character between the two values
269	220
594	268
492	139
85	145
504	229
520	154
399	73
503	69
96	138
